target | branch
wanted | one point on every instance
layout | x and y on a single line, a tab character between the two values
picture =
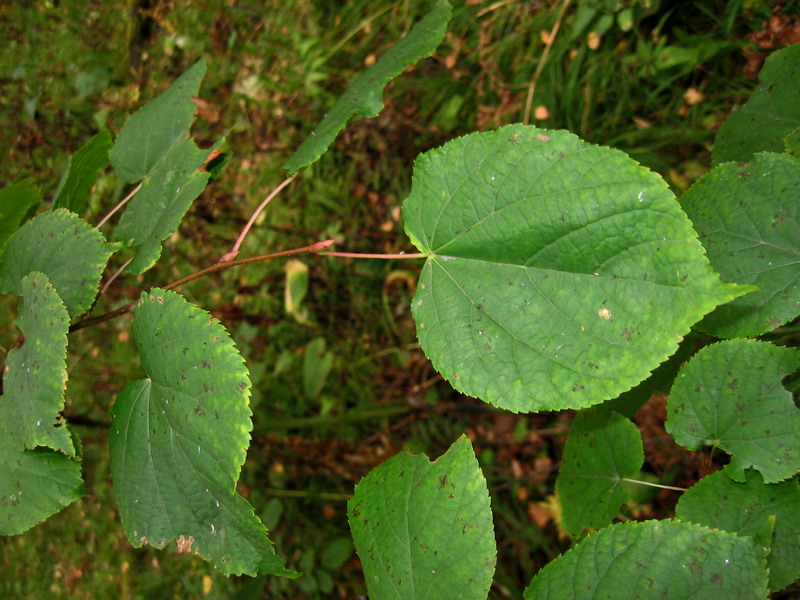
383	256
118	206
316	247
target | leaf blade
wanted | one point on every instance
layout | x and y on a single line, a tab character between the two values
82	171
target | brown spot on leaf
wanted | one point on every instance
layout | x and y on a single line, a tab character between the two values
185	544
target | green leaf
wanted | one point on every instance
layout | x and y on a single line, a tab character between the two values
153	130
178	440
669	560
35	374
316	367
744	508
34	484
17	201
559	274
81	173
156	211
66	249
747	218
771	112
602	448
365	96
729	395
792	142
424	530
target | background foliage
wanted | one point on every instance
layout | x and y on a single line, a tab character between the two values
340	384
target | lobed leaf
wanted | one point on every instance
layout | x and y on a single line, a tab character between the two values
82	172
365	96
747	218
424	530
559	274
153	130
35	374
17	201
671	560
771	112
63	247
729	395
34	484
179	437
743	508
602	449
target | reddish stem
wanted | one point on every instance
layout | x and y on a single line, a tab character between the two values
383	256
118	206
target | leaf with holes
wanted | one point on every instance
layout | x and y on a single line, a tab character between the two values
747	218
771	112
179	437
742	508
36	374
730	396
66	249
424	530
655	559
559	274
602	449
365	96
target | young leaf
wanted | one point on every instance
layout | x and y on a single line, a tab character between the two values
66	249
747	218
743	508
154	146
156	211
603	447
730	396
559	274
34	484
365	96
81	173
424	530
17	201
771	112
178	440
153	130
35	374
670	560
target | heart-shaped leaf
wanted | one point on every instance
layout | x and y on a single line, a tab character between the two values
559	274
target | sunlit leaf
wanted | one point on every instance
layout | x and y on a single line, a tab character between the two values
747	219
424	530
179	437
729	395
743	508
36	373
66	249
365	96
602	449
669	560
559	274
771	112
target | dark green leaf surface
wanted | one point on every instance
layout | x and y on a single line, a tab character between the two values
730	396
66	249
81	173
771	112
559	274
35	374
743	508
747	218
792	142
178	440
34	484
424	530
602	448
365	96
17	200
669	560
153	130
157	209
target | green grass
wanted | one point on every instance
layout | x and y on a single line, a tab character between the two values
274	71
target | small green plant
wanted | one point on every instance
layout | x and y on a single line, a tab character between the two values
557	275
